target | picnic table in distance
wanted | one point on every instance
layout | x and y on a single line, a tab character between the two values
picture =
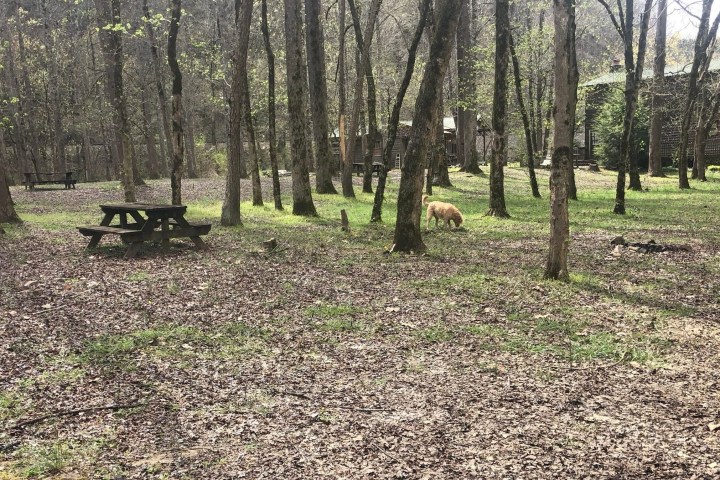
142	222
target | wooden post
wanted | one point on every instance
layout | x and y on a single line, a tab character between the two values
344	221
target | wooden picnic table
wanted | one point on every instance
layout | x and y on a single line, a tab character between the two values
143	222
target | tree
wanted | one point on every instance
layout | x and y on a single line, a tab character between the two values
110	25
302	194
656	119
7	208
272	138
525	119
357	101
246	108
407	227
566	80
178	143
701	61
372	134
394	121
633	75
466	115
231	205
707	119
318	96
497	179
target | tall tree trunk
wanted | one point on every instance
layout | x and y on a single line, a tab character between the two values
318	95
525	120
357	101
271	109
441	174
346	173
407	227
467	117
394	121
701	59
177	113
108	16
657	110
159	85
302	193
497	176
244	20
7	208
566	80
58	144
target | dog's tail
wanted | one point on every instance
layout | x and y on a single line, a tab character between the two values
425	200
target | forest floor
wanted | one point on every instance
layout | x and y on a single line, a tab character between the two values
329	358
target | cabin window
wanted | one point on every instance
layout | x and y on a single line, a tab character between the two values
397	160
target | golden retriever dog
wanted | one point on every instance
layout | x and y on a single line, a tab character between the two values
441	211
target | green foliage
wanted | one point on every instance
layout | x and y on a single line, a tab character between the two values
609	128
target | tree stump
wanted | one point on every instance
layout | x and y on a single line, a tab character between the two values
270	245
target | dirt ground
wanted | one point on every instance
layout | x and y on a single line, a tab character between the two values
329	358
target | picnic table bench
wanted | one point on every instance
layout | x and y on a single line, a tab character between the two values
159	223
49	178
359	168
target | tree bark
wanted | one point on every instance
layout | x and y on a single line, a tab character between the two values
178	151
525	120
318	96
497	180
566	80
302	194
7	208
657	110
407	227
394	121
108	17
271	109
190	143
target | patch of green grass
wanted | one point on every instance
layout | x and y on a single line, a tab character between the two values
435	334
326	311
60	220
341	325
43	460
229	341
11	405
138	277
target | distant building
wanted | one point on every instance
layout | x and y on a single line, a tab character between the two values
675	93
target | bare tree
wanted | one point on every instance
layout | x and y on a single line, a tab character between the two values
272	136
566	80
302	194
704	46
7	208
407	227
